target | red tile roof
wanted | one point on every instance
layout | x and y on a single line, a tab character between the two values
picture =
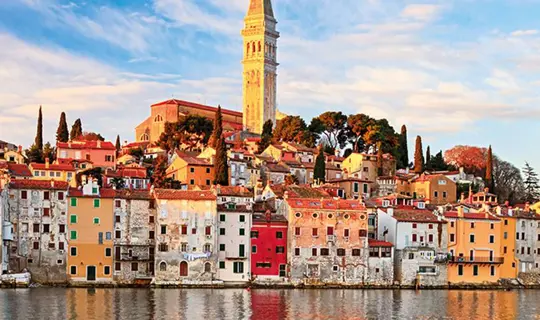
379	243
236	191
103	193
38	184
133	194
197	106
253	139
300	147
169	194
101	145
471	215
193	160
127	172
275	167
52	167
261	218
19	170
410	214
325	204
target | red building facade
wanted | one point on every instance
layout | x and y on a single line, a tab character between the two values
268	246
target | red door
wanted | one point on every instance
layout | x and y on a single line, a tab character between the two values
183	269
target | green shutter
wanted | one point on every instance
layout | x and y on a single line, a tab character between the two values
96	203
222	218
73	218
242	231
96	220
73	235
221	247
73	202
222	264
241	250
94	190
242	218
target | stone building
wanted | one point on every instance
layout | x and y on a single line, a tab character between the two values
37	211
234	209
527	249
328	241
420	242
240	169
380	263
134	237
186	237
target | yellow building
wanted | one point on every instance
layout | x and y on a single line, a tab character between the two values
434	189
190	170
51	171
90	230
474	241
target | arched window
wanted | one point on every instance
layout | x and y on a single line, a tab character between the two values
207	248
260	46
253	48
247	49
183	269
207	267
145	137
162	266
158	118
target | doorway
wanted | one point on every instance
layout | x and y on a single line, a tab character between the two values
91	273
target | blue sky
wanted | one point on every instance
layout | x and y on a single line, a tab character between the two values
454	71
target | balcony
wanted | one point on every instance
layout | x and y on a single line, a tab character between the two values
230	255
477	260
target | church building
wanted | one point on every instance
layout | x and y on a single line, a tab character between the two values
259	83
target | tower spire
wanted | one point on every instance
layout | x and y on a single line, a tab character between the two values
257	7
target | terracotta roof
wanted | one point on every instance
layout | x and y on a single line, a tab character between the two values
410	214
276	167
252	139
169	194
235	191
137	144
428	177
197	106
101	145
263	218
133	194
103	193
38	184
471	215
325	204
379	243
192	160
237	208
19	170
70	161
300	147
263	207
127	172
52	167
349	180
292	163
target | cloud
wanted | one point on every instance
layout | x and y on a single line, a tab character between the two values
519	33
423	12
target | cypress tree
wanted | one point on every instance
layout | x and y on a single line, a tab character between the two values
418	156
489	171
117	145
319	172
39	134
76	130
218	129
403	160
221	169
428	165
266	136
62	133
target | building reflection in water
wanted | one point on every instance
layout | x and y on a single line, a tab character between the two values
483	304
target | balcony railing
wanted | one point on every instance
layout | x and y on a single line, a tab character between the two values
479	260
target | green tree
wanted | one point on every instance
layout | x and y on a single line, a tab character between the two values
489	171
428	162
438	163
532	189
62	133
418	156
117	145
39	134
90	173
266	136
91	136
192	132
221	169
49	152
332	126
118	183
319	172
218	129
380	160
76	130
138	152
403	149
34	154
293	129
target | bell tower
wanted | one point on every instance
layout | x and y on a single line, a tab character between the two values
260	65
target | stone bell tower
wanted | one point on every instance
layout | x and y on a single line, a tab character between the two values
260	65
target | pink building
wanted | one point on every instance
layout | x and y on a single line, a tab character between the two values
101	153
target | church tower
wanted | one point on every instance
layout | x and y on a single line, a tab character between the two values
260	65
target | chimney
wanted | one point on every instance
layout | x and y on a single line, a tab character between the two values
218	189
47	163
460	212
20	149
286	195
462	197
510	212
527	207
99	143
268	216
52	184
390	211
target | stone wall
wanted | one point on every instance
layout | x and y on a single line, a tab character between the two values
380	271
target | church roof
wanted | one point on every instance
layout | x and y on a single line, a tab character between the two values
197	106
260	7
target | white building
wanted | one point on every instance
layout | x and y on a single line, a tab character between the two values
234	209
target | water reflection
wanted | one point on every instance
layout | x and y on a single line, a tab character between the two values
119	304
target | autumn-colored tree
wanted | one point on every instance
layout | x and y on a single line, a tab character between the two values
266	136
221	169
158	172
62	133
218	129
319	172
90	136
190	133
403	149
359	125
76	130
293	129
291	179
489	170
428	163
418	156
472	159
332	126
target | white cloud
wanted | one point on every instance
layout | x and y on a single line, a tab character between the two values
519	33
424	12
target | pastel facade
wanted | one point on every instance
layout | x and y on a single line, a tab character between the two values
100	153
434	189
50	171
190	170
90	229
134	177
186	237
269	234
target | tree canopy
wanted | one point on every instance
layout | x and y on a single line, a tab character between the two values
190	133
76	130
62	133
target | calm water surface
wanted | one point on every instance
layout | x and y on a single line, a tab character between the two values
59	303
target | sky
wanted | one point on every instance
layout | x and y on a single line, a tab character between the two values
456	72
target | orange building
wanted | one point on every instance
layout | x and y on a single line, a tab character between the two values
190	170
509	268
90	227
474	242
100	153
434	189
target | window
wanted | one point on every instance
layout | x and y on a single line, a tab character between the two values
117	234
46	212
414	237
452	237
279	235
106	270
192	170
505	235
238	267
118	203
207	170
73	235
411	255
134	266
355	252
451	224
374	252
491	238
254	234
222	264
386	252
192	182
208	230
341	252
163	247
60	246
414	226
163	229
280	249
36	245
222	218
96	220
330	231
96	203
325	252
471	238
162	266
117	219
356	186
492	271
296	251
73	218
475	270
362	233
314	232
253	249
73	251
73	270
46	195
242	218
46	228
24	194
492	226
505	222
108	252
436	194
241	250
36	227
472	225
193	230
460	270
346	233
184	229
430	238
242	231
314	252
117	266
221	231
